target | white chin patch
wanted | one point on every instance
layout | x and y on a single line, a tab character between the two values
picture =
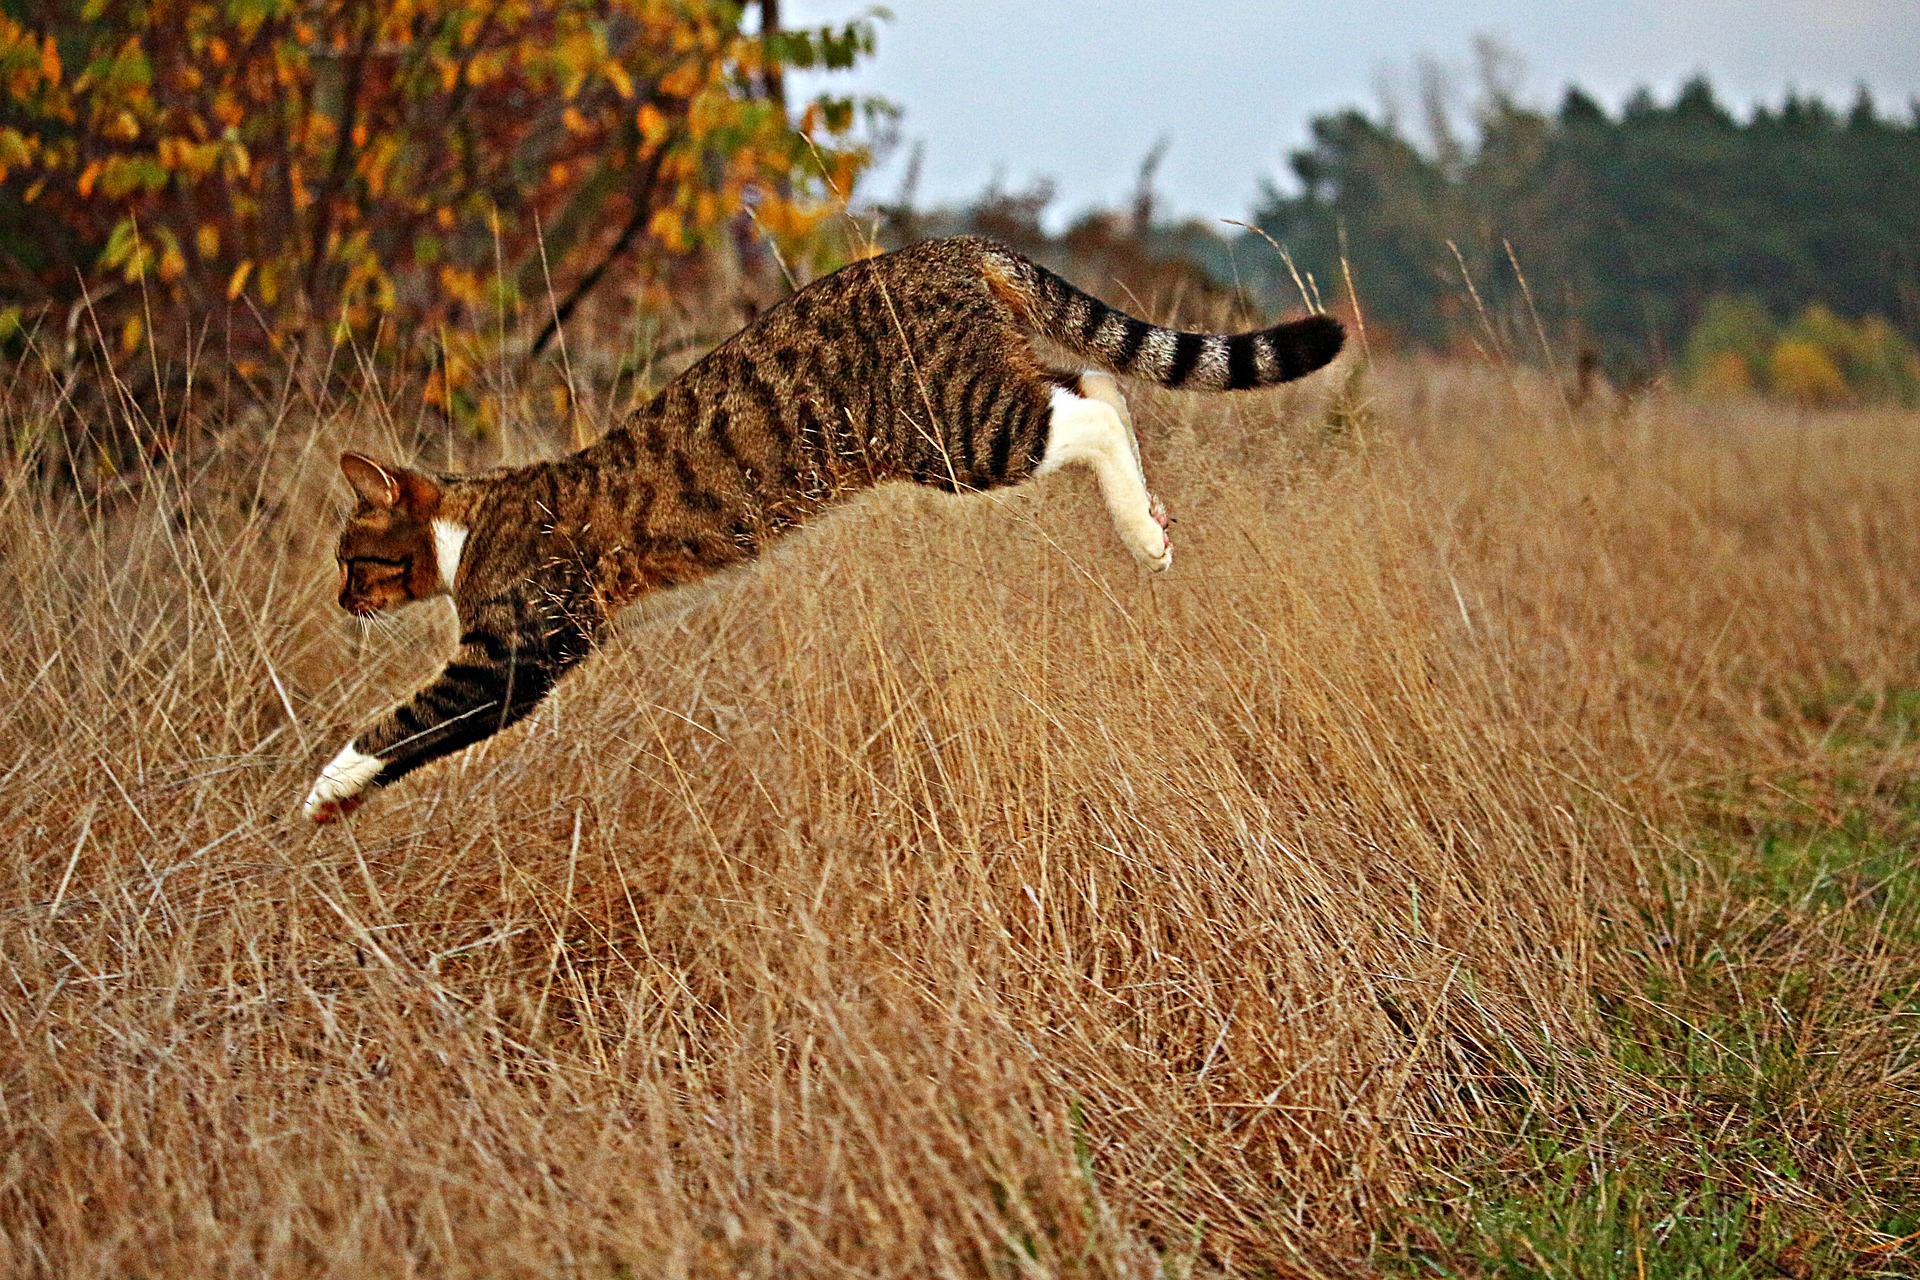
344	778
449	541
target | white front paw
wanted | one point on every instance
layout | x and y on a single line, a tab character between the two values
337	791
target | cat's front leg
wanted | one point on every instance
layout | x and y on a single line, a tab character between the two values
491	682
342	785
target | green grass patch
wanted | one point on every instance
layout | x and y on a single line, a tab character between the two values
1762	1109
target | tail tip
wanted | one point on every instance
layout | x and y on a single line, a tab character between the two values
1316	340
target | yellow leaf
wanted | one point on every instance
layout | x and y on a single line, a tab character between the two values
681	81
15	149
234	160
622	82
665	227
50	61
130	333
238	280
88	176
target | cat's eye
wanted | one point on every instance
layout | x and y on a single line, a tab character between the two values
374	570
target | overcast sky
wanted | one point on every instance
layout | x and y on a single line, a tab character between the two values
1079	90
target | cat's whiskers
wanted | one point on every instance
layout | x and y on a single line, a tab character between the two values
377	626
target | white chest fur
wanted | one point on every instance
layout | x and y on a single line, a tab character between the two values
449	541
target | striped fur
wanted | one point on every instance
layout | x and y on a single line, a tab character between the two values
915	366
1133	348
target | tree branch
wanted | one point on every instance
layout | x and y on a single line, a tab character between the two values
642	211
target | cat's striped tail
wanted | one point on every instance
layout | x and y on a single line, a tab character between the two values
1117	341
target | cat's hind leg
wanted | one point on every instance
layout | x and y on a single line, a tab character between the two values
1098	384
1089	430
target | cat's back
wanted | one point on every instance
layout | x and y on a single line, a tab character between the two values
864	325
925	280
952	263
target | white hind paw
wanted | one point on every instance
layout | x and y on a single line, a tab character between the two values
1149	541
1151	546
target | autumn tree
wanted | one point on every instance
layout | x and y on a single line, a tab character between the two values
309	172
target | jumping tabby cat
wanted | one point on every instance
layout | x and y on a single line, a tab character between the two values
917	365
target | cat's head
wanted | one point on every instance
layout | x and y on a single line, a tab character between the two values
387	554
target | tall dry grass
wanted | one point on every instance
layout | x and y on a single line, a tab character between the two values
939	898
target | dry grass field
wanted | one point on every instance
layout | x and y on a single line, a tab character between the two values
1490	851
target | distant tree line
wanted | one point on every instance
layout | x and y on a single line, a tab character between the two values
1627	227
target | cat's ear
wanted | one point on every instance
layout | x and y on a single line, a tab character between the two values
388	487
373	482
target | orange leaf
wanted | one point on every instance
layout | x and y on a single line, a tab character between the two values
651	123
